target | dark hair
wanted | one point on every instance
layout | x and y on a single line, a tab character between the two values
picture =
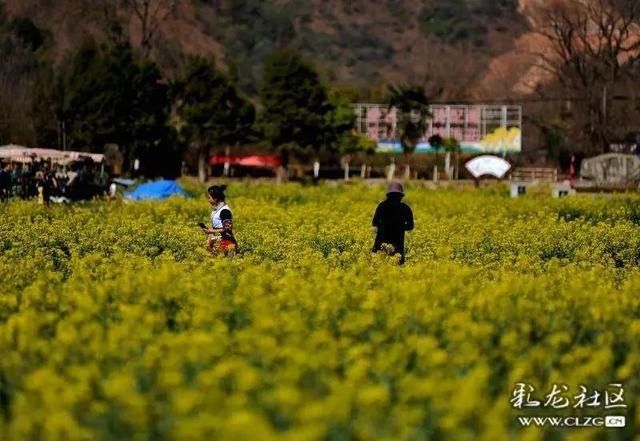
217	192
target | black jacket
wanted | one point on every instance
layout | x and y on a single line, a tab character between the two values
5	180
392	218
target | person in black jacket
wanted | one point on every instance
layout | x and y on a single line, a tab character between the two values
5	181
392	218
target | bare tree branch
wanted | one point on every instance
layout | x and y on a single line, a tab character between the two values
150	15
592	46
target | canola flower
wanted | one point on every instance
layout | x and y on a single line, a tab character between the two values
115	324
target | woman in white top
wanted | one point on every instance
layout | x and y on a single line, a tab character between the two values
221	237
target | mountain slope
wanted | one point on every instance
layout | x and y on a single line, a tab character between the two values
465	47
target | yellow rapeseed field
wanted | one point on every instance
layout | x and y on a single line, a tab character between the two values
116	325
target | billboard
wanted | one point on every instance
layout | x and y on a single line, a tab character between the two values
478	128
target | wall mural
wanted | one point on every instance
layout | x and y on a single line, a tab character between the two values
478	128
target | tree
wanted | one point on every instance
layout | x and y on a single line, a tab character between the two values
452	145
450	21
152	138
46	106
257	28
150	14
28	33
351	144
296	111
339	124
110	98
107	15
16	73
412	110
20	42
436	142
208	110
340	137
592	50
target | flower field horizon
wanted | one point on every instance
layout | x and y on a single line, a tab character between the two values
115	323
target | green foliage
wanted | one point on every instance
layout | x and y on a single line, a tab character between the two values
208	108
462	20
20	41
450	21
28	33
412	105
451	145
209	111
350	143
110	97
46	105
436	142
296	110
555	138
365	45
342	120
251	30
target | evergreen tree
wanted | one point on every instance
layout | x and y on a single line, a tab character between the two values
297	112
110	98
208	110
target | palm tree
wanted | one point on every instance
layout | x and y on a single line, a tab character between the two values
452	145
436	142
412	110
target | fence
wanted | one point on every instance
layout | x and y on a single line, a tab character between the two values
529	174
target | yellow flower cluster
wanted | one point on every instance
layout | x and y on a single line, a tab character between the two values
115	324
502	139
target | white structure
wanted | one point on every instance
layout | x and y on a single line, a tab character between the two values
488	165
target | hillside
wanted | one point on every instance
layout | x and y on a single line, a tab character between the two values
469	48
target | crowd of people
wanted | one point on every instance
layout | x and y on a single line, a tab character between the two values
48	181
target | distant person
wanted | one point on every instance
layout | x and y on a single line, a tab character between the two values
51	183
113	190
221	239
5	182
27	188
41	188
392	218
46	185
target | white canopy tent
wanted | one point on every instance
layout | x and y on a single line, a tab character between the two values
17	153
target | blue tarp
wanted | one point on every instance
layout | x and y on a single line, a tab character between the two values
156	190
